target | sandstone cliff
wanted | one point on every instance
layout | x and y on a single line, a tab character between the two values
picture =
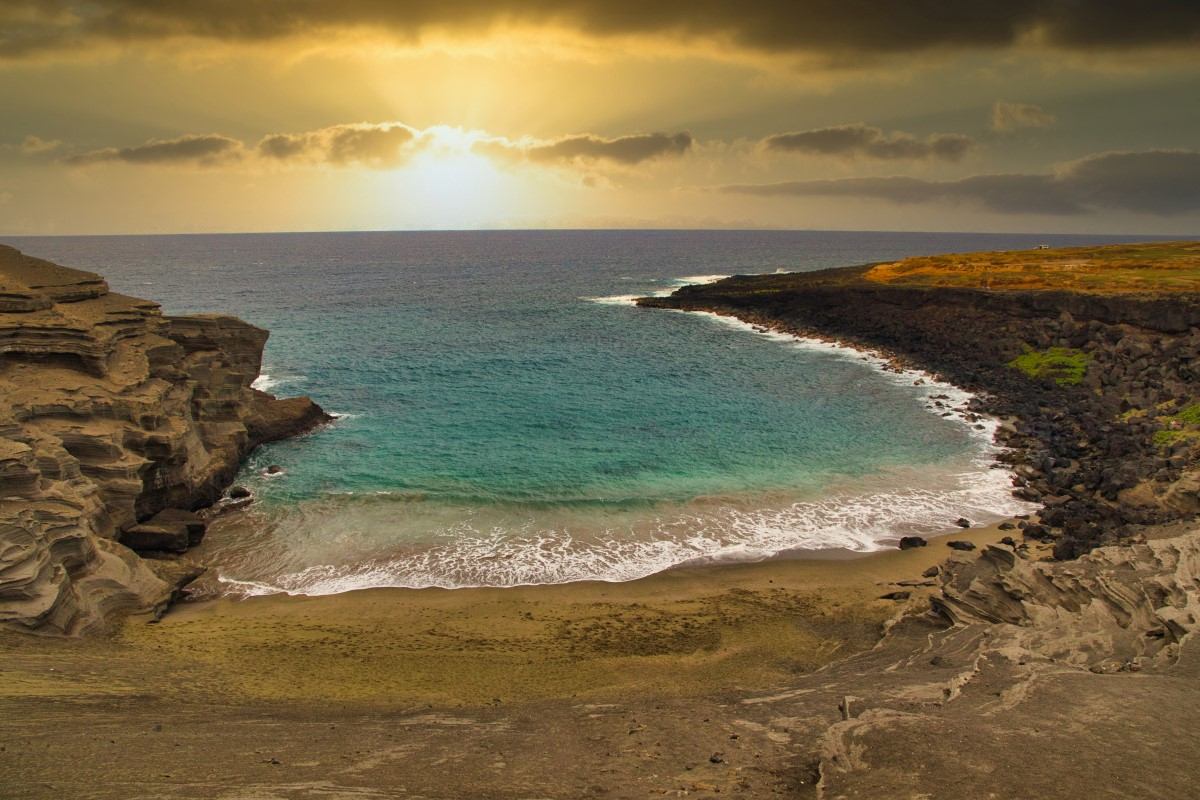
111	412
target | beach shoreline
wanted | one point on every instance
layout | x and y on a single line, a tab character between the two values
960	406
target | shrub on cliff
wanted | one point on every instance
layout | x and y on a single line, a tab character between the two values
1064	365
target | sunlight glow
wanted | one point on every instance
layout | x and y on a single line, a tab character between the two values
449	185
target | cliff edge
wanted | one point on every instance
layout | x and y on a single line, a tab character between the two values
116	421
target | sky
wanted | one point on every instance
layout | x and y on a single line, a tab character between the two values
169	116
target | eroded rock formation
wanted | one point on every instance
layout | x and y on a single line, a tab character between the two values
1052	653
111	412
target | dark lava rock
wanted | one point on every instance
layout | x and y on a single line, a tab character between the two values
1039	532
932	572
274	469
962	522
272	419
1008	540
1006	526
909	542
959	544
173	530
238	492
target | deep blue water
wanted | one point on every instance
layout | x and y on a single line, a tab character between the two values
507	419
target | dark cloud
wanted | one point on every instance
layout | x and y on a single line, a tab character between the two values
1163	182
205	150
1012	116
864	141
375	145
820	26
627	150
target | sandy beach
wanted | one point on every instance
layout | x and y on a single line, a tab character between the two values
682	632
342	678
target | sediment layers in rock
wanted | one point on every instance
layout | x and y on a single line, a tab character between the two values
111	412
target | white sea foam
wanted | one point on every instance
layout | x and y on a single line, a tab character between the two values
675	283
468	554
266	382
615	300
699	279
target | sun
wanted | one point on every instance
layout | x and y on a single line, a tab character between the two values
452	185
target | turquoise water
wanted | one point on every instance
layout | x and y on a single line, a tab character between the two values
506	417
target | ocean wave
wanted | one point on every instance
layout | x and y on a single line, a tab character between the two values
674	283
474	552
266	382
615	300
699	279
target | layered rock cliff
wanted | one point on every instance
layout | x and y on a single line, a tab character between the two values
110	413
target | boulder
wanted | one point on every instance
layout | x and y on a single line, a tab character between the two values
959	544
173	530
962	522
271	419
909	542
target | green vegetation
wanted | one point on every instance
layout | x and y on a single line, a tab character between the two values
1148	268
1183	425
1168	438
1189	415
1063	365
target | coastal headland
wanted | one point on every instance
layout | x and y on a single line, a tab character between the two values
1090	357
1014	663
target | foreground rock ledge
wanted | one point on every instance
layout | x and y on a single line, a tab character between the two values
110	413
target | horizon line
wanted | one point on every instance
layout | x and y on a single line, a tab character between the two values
1160	236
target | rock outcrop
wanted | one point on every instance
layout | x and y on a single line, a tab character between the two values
1047	652
110	413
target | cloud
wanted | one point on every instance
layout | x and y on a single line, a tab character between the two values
1162	182
833	27
203	150
36	146
374	145
1012	116
381	145
623	150
864	141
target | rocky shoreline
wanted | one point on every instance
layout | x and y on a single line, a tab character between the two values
117	424
1090	451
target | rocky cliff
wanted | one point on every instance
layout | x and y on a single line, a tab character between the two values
116	421
1104	437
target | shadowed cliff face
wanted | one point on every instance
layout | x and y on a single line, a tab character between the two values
111	412
1109	445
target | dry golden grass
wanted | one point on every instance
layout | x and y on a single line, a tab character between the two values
1153	267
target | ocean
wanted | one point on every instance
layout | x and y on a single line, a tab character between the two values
506	416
